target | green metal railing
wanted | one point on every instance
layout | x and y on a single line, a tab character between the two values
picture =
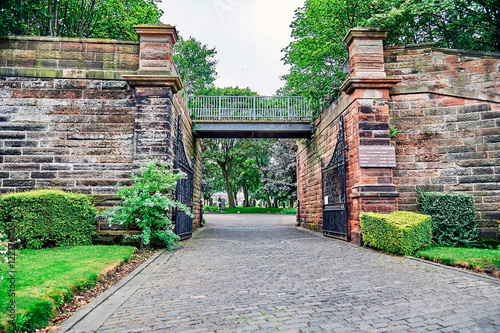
250	108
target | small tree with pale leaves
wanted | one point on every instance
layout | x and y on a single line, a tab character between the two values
149	203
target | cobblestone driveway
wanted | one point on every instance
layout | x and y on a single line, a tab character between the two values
235	277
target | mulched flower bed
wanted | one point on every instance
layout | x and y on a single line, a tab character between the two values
105	282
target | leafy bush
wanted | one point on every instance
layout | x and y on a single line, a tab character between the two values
453	217
46	218
148	204
397	233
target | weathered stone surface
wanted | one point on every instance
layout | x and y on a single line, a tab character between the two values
458	144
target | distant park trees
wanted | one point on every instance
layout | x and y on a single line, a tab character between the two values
263	169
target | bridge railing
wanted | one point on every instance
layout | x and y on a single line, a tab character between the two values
250	108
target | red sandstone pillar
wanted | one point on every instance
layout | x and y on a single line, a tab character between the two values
155	83
369	182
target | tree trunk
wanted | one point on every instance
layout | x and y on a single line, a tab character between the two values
247	199
268	200
229	190
291	202
226	167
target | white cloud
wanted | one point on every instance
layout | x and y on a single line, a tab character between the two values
248	35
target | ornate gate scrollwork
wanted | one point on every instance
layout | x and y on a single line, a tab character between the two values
334	190
184	189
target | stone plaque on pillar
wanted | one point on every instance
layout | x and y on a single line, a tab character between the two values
377	156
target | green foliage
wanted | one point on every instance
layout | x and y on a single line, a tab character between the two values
289	211
393	132
77	18
401	233
229	91
148	204
472	258
46	218
249	179
453	217
457	24
47	278
317	53
116	18
196	65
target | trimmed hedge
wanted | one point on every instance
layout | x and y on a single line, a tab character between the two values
453	217
47	218
400	232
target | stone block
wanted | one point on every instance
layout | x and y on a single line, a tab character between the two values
113	85
6	151
101	48
18	183
43	175
479	179
18	144
474	108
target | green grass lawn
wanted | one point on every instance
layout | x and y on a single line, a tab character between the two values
46	278
477	259
251	210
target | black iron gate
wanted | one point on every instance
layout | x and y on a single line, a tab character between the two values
184	189
334	190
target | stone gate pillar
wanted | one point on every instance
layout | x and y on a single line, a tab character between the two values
155	83
369	174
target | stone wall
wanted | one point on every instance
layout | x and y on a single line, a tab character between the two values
82	114
73	134
81	58
447	111
445	105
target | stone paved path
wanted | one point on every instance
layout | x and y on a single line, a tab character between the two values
236	276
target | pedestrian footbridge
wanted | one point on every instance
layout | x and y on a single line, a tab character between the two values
251	116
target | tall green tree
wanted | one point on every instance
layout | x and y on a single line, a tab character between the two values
317	52
249	179
260	152
457	24
223	152
211	180
77	18
196	63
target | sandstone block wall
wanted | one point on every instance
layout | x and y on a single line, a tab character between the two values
72	134
69	119
67	57
447	112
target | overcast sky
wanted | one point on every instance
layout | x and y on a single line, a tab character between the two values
247	34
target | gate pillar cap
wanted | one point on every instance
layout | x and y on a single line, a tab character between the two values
365	33
146	30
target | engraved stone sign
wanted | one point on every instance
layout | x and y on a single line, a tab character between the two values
377	156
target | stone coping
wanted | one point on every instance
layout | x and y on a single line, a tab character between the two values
70	40
447	91
57	73
431	46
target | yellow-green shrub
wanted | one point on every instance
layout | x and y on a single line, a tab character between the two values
47	218
400	232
